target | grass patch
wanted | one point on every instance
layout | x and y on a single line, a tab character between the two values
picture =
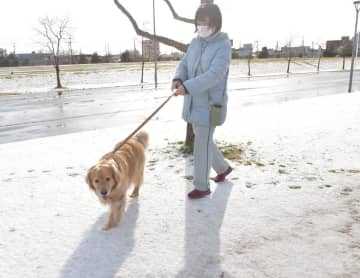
259	164
180	147
351	171
186	150
295	187
8	94
189	178
232	152
240	153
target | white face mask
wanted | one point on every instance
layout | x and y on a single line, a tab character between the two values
204	31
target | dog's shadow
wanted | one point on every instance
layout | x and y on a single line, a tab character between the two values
101	253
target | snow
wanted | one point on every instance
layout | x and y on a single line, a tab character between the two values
296	216
41	79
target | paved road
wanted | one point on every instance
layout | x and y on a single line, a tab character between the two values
37	115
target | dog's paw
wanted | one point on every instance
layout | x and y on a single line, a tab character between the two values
135	193
108	226
105	228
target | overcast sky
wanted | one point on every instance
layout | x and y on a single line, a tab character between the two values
98	22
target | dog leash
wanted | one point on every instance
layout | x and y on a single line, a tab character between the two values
142	124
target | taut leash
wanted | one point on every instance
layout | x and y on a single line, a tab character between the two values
142	124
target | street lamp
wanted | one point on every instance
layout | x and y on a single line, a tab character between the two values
357	7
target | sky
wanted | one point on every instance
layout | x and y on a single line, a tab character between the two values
97	24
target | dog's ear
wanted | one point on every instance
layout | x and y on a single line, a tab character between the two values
116	174
88	178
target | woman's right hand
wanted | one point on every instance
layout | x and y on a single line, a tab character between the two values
175	84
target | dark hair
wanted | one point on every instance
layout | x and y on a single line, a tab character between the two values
212	11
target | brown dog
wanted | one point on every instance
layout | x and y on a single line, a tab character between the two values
111	177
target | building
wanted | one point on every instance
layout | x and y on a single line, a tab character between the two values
3	52
245	51
34	59
297	51
170	57
274	53
336	47
149	48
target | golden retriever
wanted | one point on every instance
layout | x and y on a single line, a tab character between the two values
116	171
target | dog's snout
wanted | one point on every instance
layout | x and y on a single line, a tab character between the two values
103	192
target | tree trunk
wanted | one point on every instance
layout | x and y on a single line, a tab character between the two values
189	141
289	62
57	69
190	136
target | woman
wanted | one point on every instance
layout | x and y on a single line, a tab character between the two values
201	78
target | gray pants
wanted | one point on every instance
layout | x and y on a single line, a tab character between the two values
206	155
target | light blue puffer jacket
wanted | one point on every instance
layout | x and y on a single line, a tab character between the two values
204	72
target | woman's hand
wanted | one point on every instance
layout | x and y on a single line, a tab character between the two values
175	84
179	91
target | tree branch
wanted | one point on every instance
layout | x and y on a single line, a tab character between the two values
178	45
176	16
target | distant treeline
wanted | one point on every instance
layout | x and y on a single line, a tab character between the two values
9	61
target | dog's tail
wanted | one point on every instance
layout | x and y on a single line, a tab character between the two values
143	138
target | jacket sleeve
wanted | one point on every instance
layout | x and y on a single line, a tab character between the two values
181	71
217	72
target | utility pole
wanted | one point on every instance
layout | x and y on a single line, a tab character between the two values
312	49
320	52
142	62
107	52
257	46
155	46
289	58
303	46
71	52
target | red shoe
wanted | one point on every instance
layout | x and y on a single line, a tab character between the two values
197	194
221	177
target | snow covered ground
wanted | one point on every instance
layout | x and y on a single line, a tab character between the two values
291	208
41	79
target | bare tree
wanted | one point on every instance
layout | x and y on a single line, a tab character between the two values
53	32
170	42
165	40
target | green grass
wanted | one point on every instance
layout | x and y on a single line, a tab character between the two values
281	171
232	152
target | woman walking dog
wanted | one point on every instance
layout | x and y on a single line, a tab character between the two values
201	78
